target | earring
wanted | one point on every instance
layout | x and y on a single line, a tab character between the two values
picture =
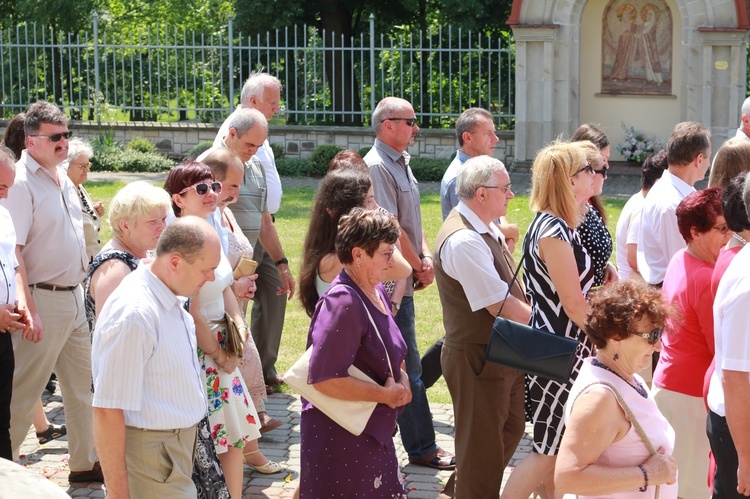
617	356
358	265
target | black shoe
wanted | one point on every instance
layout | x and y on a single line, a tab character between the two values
51	384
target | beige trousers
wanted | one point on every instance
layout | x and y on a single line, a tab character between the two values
65	349
160	462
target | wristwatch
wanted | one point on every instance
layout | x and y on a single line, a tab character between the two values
282	261
396	305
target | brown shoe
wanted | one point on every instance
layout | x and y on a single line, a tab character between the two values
440	460
93	475
267	423
277	381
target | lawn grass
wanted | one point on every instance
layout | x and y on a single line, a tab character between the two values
291	224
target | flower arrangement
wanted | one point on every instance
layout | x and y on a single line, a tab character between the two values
638	146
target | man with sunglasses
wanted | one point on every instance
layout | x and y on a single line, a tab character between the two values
397	191
688	156
47	216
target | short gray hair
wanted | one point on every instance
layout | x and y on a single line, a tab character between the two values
256	84
244	119
476	172
78	147
220	160
7	157
135	200
746	107
387	106
468	121
185	236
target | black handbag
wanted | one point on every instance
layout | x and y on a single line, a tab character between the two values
530	350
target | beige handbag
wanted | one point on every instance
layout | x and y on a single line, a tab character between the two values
349	414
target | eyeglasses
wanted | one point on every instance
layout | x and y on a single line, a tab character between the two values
388	255
408	121
602	171
723	229
652	337
56	137
202	188
82	166
504	188
588	169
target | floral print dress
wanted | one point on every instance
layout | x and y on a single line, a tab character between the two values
231	413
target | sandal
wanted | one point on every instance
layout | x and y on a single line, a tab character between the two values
52	432
270	468
440	460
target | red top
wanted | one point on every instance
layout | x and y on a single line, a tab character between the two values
725	258
688	342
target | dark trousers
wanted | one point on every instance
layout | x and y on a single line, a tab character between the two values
268	311
431	368
488	405
7	365
725	455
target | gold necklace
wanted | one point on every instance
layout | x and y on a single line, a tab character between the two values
374	296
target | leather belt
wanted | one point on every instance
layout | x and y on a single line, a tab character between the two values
52	287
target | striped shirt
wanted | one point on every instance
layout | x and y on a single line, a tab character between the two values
144	356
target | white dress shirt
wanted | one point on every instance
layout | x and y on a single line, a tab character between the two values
8	262
466	258
660	238
731	327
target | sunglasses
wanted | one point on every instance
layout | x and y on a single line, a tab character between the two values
602	171
652	337
56	137
588	169
202	188
408	121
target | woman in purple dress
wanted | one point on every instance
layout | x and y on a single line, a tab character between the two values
336	463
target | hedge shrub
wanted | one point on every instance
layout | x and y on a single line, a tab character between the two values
141	144
278	150
292	167
198	149
321	156
130	160
428	169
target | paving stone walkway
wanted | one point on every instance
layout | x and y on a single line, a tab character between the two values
280	445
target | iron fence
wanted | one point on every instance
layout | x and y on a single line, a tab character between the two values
165	74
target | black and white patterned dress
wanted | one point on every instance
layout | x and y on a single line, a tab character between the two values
597	241
545	399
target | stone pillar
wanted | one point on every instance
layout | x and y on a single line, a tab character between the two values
724	76
535	77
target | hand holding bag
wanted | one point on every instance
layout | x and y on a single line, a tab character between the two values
352	415
234	342
530	350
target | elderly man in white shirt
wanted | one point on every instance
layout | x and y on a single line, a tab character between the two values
689	156
145	336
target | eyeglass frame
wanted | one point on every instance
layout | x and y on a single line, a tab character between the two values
406	120
652	337
504	188
212	186
56	137
722	229
602	171
587	168
81	166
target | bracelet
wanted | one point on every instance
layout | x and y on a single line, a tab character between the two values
645	478
422	257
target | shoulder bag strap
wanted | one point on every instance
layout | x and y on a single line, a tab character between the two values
372	321
510	285
629	415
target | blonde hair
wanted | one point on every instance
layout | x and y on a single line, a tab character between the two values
550	180
136	200
732	159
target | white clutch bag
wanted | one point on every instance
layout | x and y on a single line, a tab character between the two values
350	415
